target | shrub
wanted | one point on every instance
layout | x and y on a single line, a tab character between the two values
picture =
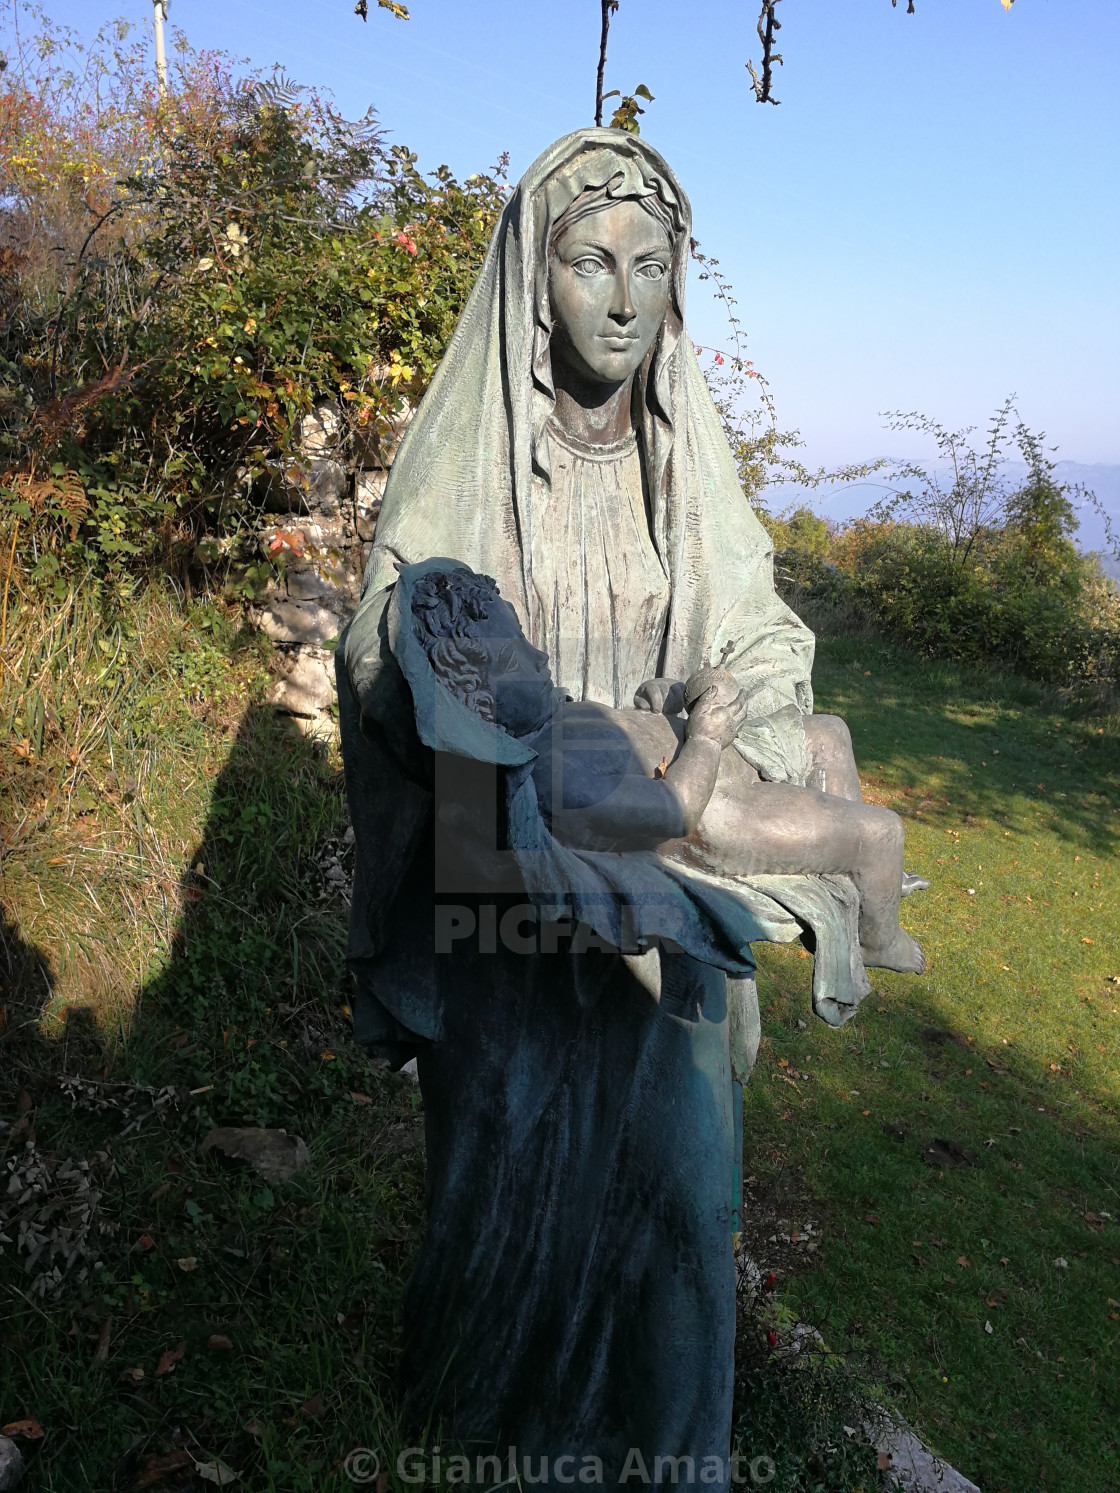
255	253
982	569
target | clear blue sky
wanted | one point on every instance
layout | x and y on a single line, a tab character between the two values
930	220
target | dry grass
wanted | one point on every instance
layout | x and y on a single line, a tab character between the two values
114	711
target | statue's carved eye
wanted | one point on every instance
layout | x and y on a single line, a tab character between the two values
651	270
588	266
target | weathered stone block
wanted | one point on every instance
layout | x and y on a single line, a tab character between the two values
321	431
315	484
323	581
299	622
307	687
369	489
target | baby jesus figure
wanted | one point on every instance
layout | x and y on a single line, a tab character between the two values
652	778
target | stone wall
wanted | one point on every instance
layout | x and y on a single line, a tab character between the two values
323	512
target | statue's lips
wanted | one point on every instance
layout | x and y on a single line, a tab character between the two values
616	341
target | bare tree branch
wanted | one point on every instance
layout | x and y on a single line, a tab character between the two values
609	8
768	23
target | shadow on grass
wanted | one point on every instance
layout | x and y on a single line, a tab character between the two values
277	1303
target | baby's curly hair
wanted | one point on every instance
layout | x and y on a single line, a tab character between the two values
447	606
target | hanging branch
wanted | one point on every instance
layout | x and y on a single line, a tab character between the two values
768	23
609	8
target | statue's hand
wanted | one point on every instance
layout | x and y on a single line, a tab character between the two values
660	696
716	718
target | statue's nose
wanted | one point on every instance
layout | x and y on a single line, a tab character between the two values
623	311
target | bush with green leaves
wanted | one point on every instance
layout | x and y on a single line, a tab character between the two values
259	253
979	566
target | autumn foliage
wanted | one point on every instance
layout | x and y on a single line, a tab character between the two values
182	279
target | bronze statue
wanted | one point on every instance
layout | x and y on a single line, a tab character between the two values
574	1295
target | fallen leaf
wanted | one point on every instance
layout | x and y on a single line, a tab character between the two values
1086	940
962	1261
187	1263
28	1427
360	1098
103	1339
783	1062
660	770
988	1327
219	1343
865	1113
168	1361
145	1243
155	1469
132	1376
1061	1263
215	1472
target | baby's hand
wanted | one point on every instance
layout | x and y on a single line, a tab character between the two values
716	717
661	696
711	677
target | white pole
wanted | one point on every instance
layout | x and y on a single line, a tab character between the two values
159	15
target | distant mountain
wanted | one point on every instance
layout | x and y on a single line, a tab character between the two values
1104	481
850	500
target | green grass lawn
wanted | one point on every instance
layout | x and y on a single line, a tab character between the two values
943	1278
187	938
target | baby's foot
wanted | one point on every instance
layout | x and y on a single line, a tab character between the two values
912	882
901	953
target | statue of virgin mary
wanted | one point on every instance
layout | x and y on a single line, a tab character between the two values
574	1293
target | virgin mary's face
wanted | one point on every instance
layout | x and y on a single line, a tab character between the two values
609	286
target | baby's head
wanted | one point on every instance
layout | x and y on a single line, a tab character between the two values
477	650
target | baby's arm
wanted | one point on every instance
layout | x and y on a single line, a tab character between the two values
629	811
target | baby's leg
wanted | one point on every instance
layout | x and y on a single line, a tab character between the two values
834	763
753	828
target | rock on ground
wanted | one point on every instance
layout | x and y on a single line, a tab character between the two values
273	1154
913	1467
11	1463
